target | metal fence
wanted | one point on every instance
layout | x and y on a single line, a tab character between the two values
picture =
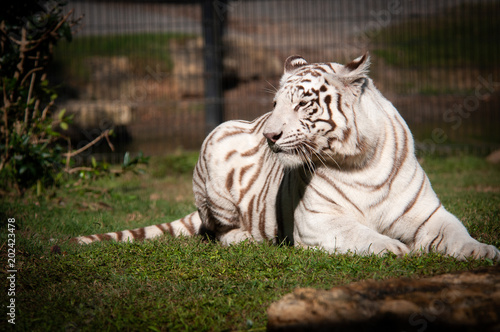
163	72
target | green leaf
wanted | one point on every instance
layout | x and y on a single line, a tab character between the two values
126	159
66	32
23	169
94	162
63	125
39	188
61	114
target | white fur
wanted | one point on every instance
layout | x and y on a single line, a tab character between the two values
351	186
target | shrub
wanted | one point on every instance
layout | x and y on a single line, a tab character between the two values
32	148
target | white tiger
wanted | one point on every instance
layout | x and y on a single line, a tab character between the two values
331	167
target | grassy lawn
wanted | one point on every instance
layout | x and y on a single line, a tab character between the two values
146	52
186	283
426	41
441	54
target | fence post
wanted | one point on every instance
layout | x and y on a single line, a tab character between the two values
213	21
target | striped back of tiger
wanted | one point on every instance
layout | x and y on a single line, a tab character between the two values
236	182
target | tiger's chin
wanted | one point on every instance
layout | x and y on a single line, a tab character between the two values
289	160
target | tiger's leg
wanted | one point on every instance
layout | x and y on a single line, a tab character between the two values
345	234
234	236
443	232
228	234
223	221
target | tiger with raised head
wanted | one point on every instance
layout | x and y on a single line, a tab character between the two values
331	167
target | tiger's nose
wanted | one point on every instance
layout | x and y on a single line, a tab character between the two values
273	137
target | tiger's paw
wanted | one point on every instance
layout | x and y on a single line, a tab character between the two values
381	247
235	236
476	250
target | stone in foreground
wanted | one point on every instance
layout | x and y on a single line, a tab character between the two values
467	301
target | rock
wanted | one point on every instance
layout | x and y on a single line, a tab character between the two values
187	58
494	157
109	78
99	114
102	68
466	301
244	60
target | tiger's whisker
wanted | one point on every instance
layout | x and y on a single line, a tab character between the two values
309	161
312	151
336	163
304	159
274	88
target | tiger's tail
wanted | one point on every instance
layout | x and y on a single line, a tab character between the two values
186	226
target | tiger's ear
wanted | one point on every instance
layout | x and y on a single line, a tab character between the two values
293	63
356	71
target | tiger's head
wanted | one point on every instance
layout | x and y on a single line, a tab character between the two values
317	118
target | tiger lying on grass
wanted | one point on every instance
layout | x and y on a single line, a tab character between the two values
332	167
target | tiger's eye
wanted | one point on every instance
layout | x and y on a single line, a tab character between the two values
303	103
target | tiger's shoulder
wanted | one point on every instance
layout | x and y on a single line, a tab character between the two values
235	137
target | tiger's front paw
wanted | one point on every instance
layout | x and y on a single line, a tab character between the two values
235	236
476	250
380	247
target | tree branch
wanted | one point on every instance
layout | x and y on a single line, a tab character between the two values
30	91
32	71
46	110
97	139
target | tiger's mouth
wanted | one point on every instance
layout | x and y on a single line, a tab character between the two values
288	157
274	147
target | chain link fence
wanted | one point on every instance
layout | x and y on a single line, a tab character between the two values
162	73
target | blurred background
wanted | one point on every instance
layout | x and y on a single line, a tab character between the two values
164	73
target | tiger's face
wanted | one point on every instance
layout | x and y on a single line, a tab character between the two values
314	119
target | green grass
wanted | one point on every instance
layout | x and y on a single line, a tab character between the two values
187	283
143	51
459	37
